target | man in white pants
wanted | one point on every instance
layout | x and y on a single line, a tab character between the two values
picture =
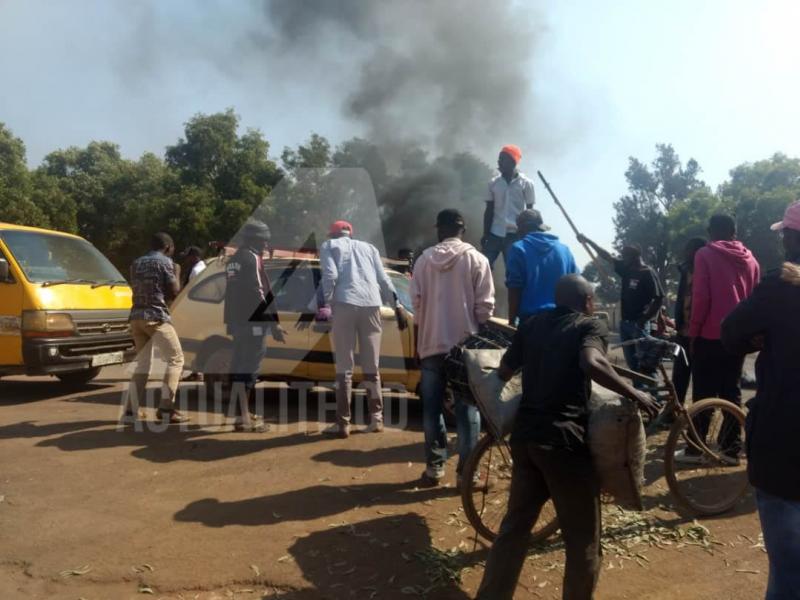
355	285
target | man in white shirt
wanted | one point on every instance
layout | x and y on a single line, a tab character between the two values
510	193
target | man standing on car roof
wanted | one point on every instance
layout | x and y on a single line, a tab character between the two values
355	285
510	193
250	313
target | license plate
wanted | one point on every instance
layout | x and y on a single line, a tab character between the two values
111	358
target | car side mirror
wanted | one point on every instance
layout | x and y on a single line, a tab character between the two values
5	276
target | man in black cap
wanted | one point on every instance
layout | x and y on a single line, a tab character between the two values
453	295
534	265
250	312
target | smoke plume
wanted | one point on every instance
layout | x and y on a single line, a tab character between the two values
450	76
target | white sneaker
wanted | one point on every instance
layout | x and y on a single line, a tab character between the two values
433	475
374	427
681	457
337	430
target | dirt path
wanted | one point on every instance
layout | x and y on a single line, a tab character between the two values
90	512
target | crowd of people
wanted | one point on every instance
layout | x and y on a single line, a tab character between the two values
722	312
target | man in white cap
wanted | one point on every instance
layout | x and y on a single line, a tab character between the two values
767	321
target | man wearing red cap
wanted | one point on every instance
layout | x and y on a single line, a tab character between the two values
510	193
355	285
767	321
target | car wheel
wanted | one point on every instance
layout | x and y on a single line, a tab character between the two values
79	377
217	370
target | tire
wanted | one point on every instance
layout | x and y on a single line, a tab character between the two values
716	485
79	377
216	369
485	502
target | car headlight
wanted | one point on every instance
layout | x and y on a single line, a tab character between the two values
42	323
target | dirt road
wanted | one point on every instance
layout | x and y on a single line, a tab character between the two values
87	511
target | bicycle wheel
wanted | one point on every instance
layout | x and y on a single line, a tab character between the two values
712	477
487	483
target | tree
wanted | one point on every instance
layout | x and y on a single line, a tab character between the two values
758	193
15	185
641	216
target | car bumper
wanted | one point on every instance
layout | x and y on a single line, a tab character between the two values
46	356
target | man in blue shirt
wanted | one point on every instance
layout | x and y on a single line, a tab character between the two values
535	264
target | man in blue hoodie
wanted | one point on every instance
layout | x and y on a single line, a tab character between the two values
535	264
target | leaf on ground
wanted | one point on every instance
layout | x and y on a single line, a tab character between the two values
76	572
256	570
284	558
143	589
276	515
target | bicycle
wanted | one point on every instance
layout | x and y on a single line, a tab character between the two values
711	431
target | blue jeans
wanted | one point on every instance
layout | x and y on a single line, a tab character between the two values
468	420
630	330
248	352
780	522
495	245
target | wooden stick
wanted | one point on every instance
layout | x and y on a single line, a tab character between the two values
586	246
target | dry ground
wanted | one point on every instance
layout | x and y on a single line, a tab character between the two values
90	512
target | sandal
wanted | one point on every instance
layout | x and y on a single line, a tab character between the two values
171	416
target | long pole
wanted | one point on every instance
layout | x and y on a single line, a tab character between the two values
586	246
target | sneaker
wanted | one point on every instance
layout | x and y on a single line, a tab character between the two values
374	427
251	427
171	417
336	430
433	476
688	458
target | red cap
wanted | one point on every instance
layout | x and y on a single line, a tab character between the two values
513	151
338	226
791	218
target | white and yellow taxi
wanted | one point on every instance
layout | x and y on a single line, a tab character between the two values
307	355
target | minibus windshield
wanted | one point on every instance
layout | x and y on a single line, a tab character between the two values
51	259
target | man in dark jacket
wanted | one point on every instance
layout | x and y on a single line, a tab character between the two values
641	297
682	371
767	321
250	313
534	265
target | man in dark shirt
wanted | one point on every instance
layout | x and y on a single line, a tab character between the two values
560	352
642	295
154	286
767	321
249	313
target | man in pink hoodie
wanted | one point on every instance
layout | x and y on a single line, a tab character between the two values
453	295
725	273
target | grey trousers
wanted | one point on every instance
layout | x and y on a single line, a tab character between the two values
357	325
570	480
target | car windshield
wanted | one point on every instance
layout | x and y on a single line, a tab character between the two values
51	258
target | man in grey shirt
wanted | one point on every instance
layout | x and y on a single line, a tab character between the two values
355	284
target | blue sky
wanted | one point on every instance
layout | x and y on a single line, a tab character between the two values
717	79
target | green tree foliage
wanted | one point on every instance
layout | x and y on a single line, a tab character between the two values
758	193
654	192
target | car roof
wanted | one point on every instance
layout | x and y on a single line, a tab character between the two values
14	227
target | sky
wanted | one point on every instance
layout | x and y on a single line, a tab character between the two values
717	79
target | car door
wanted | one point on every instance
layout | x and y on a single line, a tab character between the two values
293	287
396	360
10	316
